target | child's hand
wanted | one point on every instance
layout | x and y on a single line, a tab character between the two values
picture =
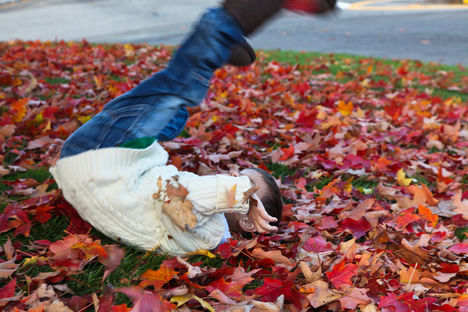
259	217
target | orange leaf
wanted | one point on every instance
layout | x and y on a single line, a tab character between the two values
287	153
176	191
231	196
345	108
91	249
157	278
427	214
20	108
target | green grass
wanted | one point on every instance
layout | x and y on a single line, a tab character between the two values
280	170
56	80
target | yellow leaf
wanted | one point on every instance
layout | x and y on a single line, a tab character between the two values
84	119
345	108
129	51
33	260
98	82
201	252
204	304
401	178
180	300
231	196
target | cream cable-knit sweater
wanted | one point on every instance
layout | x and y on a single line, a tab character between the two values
112	189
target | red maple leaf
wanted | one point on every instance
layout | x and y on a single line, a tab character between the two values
341	274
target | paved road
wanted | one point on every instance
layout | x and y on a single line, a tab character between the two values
381	28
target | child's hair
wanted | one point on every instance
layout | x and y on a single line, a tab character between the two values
272	198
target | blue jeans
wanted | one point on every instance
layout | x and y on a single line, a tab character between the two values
157	106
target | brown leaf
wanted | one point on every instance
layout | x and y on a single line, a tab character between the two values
249	193
9	249
355	297
308	274
7	268
274	255
231	196
180	211
179	191
322	294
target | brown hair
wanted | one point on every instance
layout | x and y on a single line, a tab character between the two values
271	199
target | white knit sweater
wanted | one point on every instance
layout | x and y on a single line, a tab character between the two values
112	189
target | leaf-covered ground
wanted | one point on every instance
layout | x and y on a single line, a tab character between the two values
371	155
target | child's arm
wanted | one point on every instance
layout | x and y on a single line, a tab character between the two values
212	193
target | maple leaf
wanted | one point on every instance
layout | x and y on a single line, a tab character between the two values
345	108
158	278
144	301
287	153
358	228
355	297
236	281
341	274
179	191
20	108
180	211
322	294
273	288
317	244
7	293
391	301
428	215
274	255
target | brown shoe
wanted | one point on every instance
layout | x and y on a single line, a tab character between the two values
242	55
251	14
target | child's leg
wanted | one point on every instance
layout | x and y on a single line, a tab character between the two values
156	107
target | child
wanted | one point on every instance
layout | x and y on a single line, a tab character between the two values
115	174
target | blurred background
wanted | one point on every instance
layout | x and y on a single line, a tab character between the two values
434	30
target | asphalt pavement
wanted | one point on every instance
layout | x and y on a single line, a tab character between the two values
399	29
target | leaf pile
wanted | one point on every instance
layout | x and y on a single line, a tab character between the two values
371	155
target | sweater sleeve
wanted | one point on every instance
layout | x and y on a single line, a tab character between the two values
215	193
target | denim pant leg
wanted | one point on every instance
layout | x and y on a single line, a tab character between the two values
157	106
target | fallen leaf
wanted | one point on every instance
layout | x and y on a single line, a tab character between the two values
274	255
401	178
322	294
231	196
341	274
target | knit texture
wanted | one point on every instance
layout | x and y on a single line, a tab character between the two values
112	189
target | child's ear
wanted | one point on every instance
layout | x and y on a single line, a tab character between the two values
246	225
